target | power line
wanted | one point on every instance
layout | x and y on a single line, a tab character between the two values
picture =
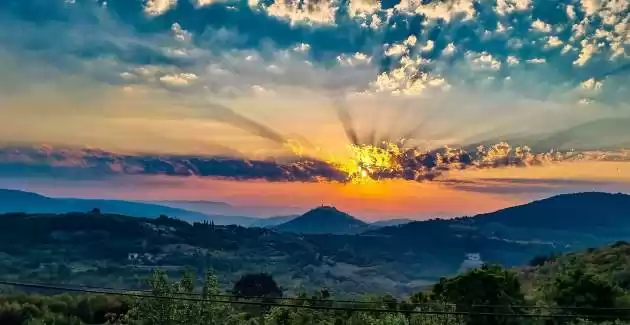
356	302
213	295
312	307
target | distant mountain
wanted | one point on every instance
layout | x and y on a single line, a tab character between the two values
391	222
27	202
226	209
226	214
563	222
324	220
205	207
579	211
272	221
302	253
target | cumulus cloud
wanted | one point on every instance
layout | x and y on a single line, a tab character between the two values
493	68
179	80
158	7
300	12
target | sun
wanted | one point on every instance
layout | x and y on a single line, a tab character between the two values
366	163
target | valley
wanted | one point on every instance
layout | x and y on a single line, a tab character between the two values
348	256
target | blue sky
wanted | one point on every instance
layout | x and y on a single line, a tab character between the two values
172	78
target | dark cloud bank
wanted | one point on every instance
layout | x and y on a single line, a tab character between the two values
94	163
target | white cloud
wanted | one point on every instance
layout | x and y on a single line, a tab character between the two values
158	7
396	50
537	60
302	47
180	33
512	60
411	41
355	59
363	8
304	12
570	9
178	80
483	61
554	41
449	49
408	80
399	49
587	52
127	75
261	91
445	10
590	6
428	47
541	26
591	84
203	3
505	7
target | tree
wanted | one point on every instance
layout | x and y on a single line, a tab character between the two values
175	303
540	260
489	289
257	285
159	309
577	288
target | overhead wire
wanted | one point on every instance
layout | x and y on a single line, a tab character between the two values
195	298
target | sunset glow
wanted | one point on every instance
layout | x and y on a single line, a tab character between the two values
382	110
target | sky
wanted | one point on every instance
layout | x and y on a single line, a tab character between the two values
376	107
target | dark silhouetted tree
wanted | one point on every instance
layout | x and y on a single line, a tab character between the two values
540	260
476	290
257	285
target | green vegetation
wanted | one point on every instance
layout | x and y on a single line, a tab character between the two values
568	292
405	262
111	250
101	249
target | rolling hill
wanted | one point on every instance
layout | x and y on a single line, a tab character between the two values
27	202
611	263
562	222
578	211
322	248
272	221
324	220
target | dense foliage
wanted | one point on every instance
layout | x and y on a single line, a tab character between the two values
570	289
101	249
112	250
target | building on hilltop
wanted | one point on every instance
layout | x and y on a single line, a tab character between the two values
472	261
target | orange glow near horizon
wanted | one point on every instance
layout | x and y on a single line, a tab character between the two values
370	201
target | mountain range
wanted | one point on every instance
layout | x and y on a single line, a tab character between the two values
304	253
191	211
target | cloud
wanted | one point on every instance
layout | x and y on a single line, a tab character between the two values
46	160
452	73
178	80
94	163
298	12
530	186
158	7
